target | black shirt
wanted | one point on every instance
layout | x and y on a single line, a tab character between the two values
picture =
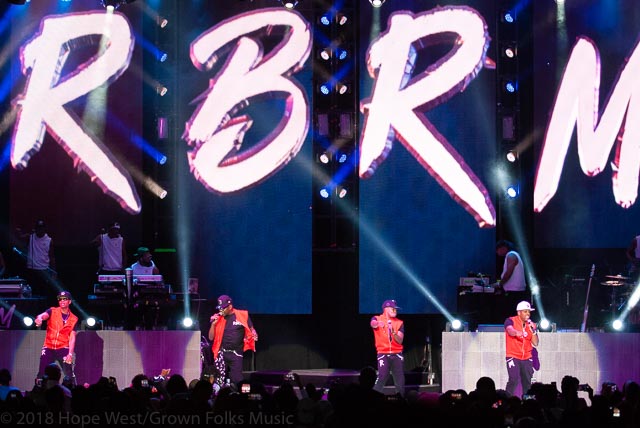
233	337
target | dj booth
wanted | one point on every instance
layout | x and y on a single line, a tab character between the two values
140	302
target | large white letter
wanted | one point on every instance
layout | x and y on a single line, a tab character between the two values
215	133
395	99
43	100
577	101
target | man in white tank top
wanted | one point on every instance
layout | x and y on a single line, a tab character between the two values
40	260
512	277
633	255
112	253
144	265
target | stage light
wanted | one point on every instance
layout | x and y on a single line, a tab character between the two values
457	326
508	17
187	322
342	88
27	321
324	158
511	86
512	191
325	54
342	54
342	158
376	3
289	4
617	325
162	56
341	19
510	51
162	22
512	156
341	192
91	323
325	89
546	325
161	90
324	20
324	193
114	4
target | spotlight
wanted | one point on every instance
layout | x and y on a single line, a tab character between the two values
162	56
324	158
512	191
289	4
508	17
325	89
510	51
342	88
325	54
617	325
342	158
114	3
511	86
27	321
376	3
546	325
341	192
187	322
161	90
162	22
512	156
91	323
457	325
342	54
325	20
341	19
324	193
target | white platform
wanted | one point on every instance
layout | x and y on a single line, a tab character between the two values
122	354
593	358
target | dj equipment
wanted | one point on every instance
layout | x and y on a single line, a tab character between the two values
136	278
14	287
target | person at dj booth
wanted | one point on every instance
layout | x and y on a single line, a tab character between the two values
41	262
512	277
112	253
144	265
231	333
60	339
633	256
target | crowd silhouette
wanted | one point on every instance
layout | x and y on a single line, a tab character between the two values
159	400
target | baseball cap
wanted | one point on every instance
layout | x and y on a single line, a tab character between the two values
524	306
64	294
224	301
40	223
141	250
115	225
390	304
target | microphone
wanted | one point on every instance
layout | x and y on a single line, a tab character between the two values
531	325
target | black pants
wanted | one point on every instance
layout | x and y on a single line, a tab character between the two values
233	362
390	364
49	356
40	282
520	371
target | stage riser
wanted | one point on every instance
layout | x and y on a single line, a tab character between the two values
122	354
593	358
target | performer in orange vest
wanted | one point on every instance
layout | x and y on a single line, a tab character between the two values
521	335
232	333
60	340
388	333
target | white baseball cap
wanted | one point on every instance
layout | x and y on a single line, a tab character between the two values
524	306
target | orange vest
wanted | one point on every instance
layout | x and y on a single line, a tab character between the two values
58	332
243	318
518	347
385	344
